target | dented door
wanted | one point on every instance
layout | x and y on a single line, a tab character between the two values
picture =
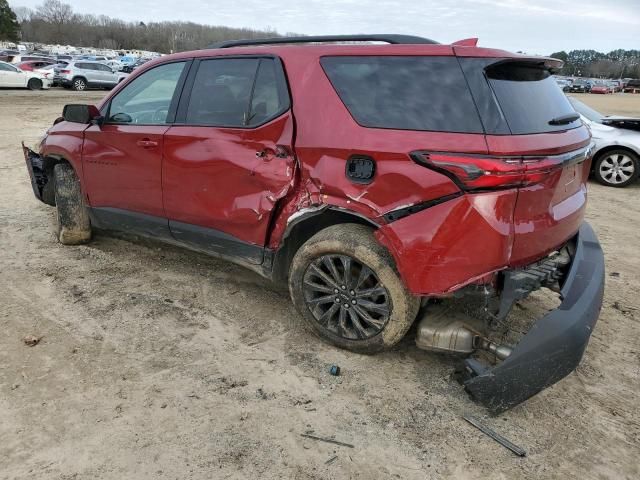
228	179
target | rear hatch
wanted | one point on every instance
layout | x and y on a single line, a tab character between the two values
531	126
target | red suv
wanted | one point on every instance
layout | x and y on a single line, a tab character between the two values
367	177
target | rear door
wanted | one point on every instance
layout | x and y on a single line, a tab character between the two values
228	158
547	136
122	158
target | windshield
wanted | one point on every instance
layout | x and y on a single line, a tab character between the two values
585	111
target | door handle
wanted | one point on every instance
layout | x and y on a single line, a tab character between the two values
147	143
279	152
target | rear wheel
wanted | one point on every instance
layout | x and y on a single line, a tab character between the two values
34	84
345	286
72	215
79	84
617	168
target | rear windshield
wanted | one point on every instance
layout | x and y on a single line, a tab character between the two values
404	92
529	98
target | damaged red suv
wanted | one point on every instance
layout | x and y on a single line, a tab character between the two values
366	176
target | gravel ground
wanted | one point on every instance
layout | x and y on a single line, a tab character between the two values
158	363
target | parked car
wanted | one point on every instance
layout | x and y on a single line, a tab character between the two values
32	65
128	68
632	86
13	77
615	85
30	58
364	177
81	75
601	88
114	65
579	86
47	72
617	145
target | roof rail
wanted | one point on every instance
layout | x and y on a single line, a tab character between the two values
391	38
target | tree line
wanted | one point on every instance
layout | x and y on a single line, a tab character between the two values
55	22
590	63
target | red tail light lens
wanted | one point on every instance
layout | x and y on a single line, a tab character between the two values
482	172
65	71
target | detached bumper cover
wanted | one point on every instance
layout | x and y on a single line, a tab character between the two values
554	346
36	171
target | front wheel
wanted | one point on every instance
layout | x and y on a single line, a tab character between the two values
616	168
346	287
72	215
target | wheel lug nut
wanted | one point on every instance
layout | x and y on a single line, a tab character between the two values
346	305
335	290
353	301
337	300
351	292
343	287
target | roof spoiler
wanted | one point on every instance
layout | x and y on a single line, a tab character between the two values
466	42
553	65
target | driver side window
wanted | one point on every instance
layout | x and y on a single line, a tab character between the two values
147	99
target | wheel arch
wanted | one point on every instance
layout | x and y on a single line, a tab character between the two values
303	227
48	163
611	148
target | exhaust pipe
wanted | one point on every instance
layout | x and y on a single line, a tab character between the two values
451	331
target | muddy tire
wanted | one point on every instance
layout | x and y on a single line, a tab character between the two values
72	216
34	84
347	289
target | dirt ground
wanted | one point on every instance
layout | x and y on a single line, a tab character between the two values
158	363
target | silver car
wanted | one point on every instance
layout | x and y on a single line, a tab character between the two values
83	74
616	162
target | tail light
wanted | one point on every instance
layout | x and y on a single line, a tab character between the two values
64	72
485	172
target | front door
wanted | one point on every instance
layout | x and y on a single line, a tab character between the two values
229	156
122	159
10	76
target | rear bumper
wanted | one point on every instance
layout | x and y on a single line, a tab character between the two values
554	346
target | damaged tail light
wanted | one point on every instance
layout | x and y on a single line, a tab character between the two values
482	172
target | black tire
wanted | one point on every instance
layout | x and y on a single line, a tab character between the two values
79	84
616	168
34	84
353	248
72	215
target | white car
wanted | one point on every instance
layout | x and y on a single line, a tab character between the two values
13	77
47	72
616	161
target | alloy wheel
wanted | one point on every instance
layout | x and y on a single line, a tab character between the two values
79	85
617	168
346	297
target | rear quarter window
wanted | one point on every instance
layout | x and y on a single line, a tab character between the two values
404	92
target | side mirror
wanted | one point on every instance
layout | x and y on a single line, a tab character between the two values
78	113
121	118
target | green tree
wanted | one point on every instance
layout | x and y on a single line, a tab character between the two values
9	26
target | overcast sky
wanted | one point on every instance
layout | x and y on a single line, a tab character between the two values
533	26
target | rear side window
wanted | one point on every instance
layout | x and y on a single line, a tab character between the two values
404	92
529	98
236	92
